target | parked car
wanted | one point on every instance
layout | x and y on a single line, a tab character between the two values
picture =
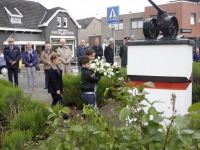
3	69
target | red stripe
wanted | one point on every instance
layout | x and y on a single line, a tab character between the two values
166	86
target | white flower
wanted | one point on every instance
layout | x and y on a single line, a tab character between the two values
117	72
97	63
115	64
92	65
121	79
98	57
105	73
107	65
112	74
109	76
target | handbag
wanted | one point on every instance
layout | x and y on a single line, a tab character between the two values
37	67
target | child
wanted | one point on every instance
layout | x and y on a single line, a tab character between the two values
90	53
55	86
88	81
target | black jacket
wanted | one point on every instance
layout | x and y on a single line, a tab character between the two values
55	80
88	80
12	55
108	53
98	51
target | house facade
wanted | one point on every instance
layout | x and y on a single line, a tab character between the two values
89	27
37	25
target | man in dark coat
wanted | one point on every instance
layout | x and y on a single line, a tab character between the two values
124	52
109	51
98	49
12	55
196	55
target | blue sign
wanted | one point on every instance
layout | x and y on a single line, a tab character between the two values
132	33
113	15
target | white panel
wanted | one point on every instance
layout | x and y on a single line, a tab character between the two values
160	60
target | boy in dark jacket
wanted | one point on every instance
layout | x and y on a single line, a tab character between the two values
88	81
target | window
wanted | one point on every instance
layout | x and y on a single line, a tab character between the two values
58	21
137	23
15	20
65	22
120	25
192	19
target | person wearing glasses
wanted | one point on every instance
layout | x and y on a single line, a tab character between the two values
66	56
12	55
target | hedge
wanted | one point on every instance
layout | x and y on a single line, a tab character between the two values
21	119
196	82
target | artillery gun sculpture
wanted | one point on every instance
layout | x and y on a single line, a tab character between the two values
168	25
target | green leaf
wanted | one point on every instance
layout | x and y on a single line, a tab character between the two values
145	118
67	137
66	110
152	127
153	111
156	102
102	146
194	115
158	119
158	137
76	128
187	131
151	146
96	132
51	115
127	138
145	140
56	121
194	107
124	113
91	128
149	84
182	121
158	145
196	136
60	147
187	140
50	109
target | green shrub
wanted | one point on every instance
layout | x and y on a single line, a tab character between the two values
16	139
196	82
6	83
72	91
33	120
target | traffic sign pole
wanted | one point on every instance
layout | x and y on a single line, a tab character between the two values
114	45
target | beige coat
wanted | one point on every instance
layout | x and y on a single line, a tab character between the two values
65	58
45	58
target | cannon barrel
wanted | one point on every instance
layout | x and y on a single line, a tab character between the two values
160	10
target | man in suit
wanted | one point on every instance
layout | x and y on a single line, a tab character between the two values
109	51
196	55
124	52
12	55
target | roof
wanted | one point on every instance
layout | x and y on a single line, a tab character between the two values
85	22
51	13
29	9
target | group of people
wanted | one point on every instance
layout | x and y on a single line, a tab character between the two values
58	64
108	51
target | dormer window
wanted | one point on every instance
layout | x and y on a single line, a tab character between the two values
15	16
15	20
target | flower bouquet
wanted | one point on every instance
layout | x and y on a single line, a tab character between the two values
99	68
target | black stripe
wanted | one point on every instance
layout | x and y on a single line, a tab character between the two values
158	79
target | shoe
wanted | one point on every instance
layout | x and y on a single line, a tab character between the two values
34	89
30	89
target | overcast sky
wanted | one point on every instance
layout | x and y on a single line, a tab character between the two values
80	9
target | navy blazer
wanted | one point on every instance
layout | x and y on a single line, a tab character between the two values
26	58
11	55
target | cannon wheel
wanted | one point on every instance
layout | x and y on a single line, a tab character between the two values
150	28
170	27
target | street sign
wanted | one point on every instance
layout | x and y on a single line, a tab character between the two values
113	26
113	15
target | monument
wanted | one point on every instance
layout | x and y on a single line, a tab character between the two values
167	62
